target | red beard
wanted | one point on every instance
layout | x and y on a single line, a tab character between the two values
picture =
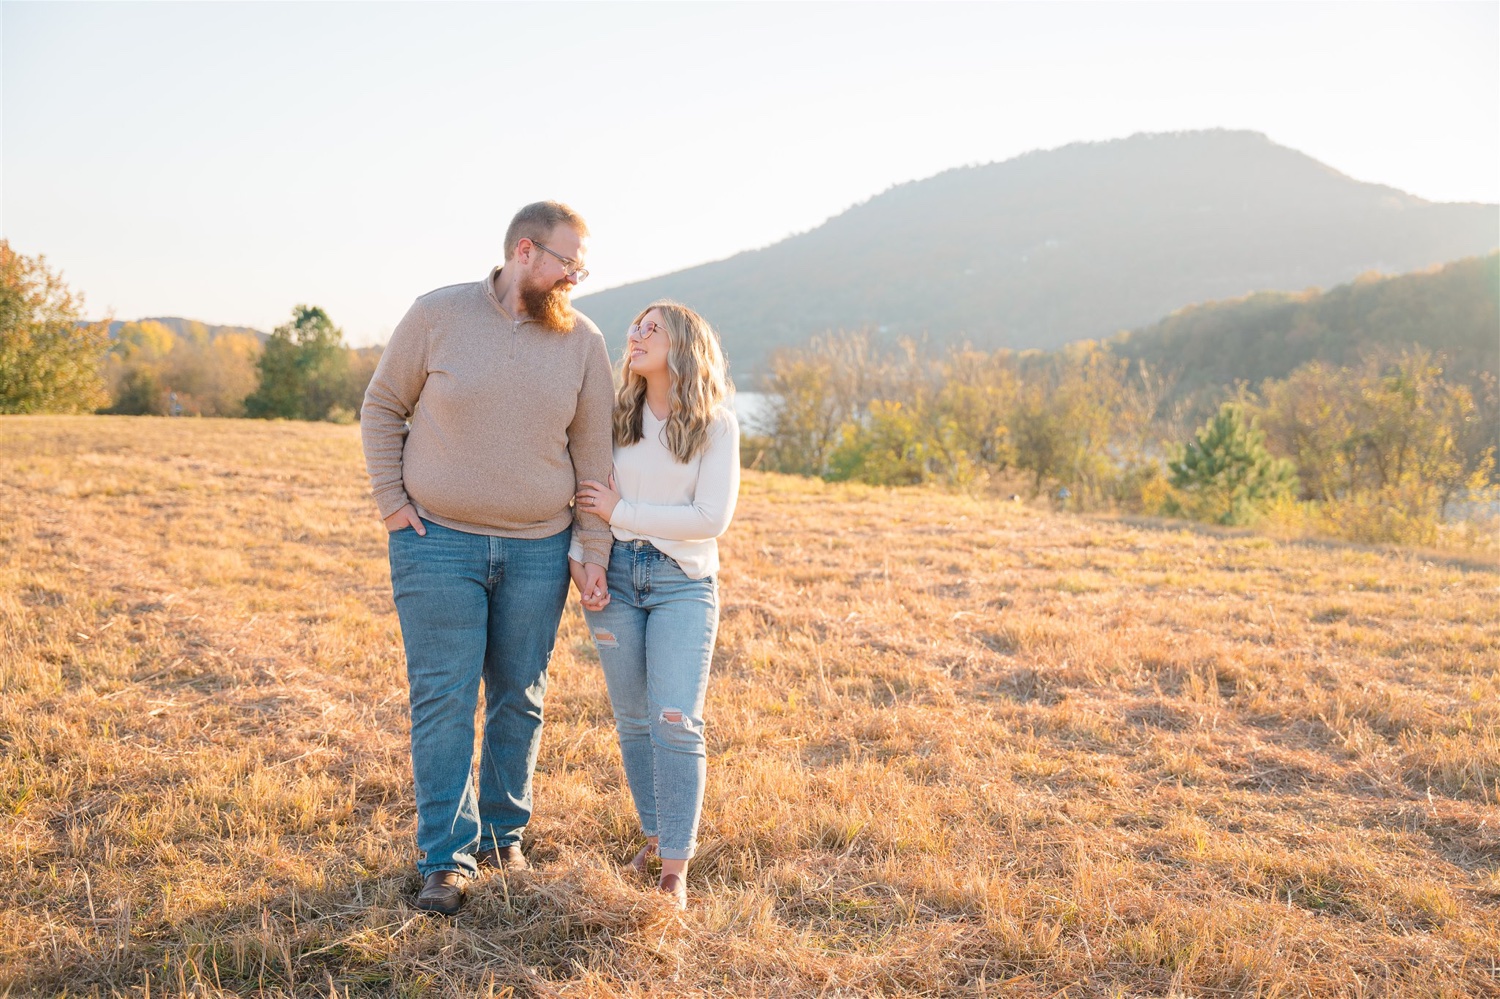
548	306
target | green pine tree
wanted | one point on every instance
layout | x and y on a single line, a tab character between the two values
1227	471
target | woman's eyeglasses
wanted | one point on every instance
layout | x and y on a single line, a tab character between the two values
642	333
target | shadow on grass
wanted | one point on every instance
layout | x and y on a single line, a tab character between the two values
1450	559
364	937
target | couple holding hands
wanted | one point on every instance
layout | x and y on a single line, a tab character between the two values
505	462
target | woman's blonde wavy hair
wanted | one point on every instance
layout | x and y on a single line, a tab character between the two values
700	382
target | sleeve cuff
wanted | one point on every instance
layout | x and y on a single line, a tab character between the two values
591	549
623	516
389	503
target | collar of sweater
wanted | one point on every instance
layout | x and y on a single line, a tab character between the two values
489	292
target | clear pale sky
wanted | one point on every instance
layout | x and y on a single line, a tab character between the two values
226	161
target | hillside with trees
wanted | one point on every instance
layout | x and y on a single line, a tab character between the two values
192	328
1063	245
1453	311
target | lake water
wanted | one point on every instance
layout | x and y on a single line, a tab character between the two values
753	409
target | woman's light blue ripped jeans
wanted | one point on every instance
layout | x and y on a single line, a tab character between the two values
656	642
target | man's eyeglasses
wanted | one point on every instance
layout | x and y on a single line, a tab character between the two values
643	332
571	267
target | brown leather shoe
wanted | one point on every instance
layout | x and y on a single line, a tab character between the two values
503	858
442	892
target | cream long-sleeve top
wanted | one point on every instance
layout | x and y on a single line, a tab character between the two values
681	508
486	422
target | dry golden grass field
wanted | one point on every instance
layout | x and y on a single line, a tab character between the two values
957	748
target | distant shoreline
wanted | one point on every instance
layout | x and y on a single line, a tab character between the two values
752	408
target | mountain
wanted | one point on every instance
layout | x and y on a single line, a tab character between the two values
191	329
1074	243
1453	310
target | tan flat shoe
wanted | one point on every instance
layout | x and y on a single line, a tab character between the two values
641	862
675	886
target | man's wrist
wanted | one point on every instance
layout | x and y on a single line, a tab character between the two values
388	511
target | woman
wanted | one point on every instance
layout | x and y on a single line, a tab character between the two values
677	474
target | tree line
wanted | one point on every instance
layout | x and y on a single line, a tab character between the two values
1387	446
1386	449
51	361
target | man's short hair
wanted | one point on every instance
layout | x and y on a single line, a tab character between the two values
536	222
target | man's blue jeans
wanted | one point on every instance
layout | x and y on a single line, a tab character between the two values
656	644
471	607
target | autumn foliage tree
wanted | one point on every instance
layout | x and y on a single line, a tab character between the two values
848	408
819	389
1386	446
49	359
1386	450
153	369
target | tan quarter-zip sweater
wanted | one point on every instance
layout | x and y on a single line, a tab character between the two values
486	423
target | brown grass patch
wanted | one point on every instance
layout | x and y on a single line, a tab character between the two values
958	748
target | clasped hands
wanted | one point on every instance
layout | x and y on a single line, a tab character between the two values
593	589
599	499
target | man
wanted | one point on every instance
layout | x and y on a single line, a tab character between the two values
491	402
